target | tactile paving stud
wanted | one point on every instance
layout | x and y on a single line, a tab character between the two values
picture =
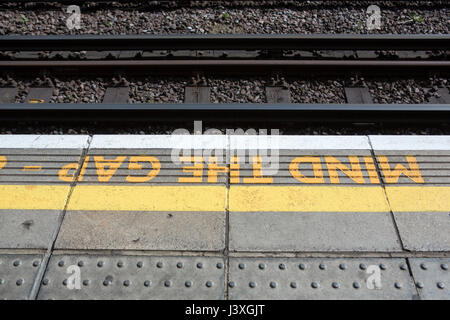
432	277
314	278
17	274
135	277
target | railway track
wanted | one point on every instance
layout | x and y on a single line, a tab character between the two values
271	46
230	113
272	62
203	2
227	42
344	196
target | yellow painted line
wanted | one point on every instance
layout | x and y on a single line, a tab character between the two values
32	168
148	198
417	199
307	199
36	101
33	197
213	198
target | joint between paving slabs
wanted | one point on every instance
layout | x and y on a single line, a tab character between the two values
382	184
48	254
411	274
227	222
337	254
397	230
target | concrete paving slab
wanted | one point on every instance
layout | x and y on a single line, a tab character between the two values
274	149
47	156
35	176
191	231
35	159
290	181
159	180
417	153
402	168
31	169
285	158
33	197
305	198
31	141
312	232
163	156
305	168
430	167
305	162
409	143
314	278
35	169
30	179
181	198
426	180
287	142
17	273
143	171
298	175
423	157
280	181
181	141
444	173
418	198
432	277
148	169
20	229
135	277
131	151
424	231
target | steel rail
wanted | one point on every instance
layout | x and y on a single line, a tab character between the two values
226	63
235	67
147	1
226	42
330	113
271	2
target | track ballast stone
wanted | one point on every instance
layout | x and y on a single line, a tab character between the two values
425	19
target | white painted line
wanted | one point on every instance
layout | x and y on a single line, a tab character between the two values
236	142
159	142
32	141
300	142
392	142
401	143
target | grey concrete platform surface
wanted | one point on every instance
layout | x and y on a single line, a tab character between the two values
312	278
313	232
224	217
192	231
136	277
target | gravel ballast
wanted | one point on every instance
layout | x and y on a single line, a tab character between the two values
283	129
228	90
204	17
225	90
232	90
346	18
